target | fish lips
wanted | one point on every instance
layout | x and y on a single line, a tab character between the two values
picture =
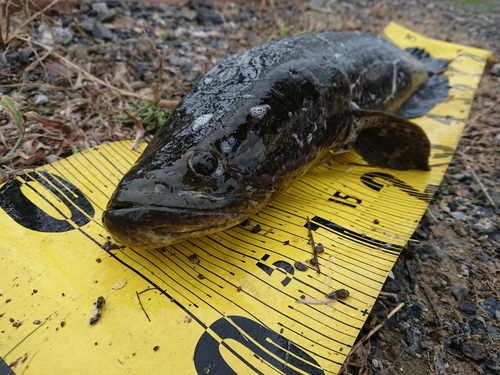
155	226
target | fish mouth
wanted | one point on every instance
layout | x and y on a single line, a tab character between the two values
156	226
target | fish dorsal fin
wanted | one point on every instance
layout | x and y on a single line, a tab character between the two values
388	141
432	64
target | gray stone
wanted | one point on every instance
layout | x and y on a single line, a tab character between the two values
160	22
468	308
189	14
359	357
459	293
99	31
493	363
463	270
62	35
195	4
484	225
414	338
403	326
474	350
103	12
206	15
41	99
495	69
457	215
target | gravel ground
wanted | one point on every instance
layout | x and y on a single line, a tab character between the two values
72	80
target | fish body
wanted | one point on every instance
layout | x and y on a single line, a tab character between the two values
259	120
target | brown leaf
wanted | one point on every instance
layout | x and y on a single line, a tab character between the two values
139	128
33	149
50	124
462	192
58	70
4	177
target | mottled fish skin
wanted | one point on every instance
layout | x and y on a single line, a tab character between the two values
254	124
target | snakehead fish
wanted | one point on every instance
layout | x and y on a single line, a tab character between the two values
259	120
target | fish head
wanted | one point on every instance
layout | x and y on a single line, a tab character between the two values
189	182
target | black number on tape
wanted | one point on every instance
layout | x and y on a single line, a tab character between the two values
410	37
369	179
29	215
347	234
344	199
209	360
286	267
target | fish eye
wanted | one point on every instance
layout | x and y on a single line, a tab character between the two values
204	163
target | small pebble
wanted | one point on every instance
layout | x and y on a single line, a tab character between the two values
468	308
41	99
457	215
495	69
301	266
463	270
342	293
474	350
319	248
313	261
256	229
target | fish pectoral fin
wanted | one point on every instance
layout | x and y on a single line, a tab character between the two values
388	141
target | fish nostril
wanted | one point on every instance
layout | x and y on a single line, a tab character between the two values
160	187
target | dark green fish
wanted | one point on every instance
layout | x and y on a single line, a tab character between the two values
259	120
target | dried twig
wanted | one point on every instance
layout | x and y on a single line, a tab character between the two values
376	328
75	20
316	301
39	60
313	245
484	111
157	90
476	178
142	307
166	103
27	21
38	85
139	128
434	308
481	132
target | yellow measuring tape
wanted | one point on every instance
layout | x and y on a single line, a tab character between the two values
228	303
